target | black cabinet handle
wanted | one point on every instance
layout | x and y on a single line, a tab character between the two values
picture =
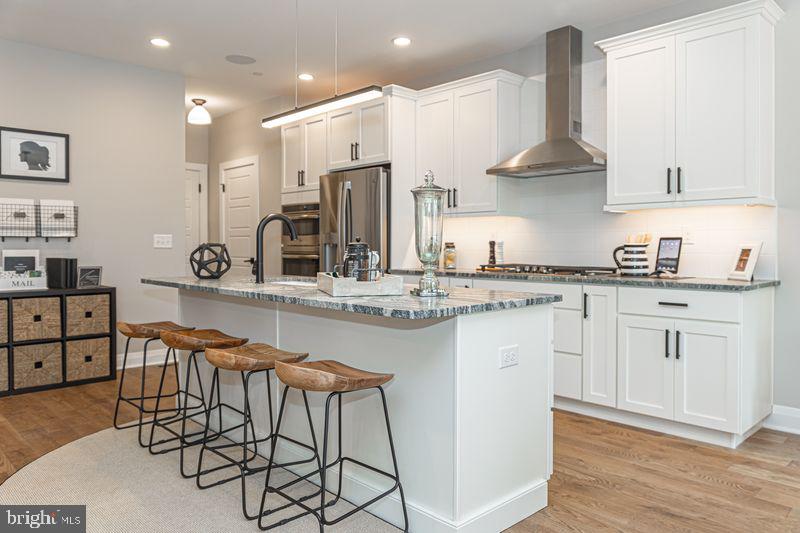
87	358
358	156
666	343
677	344
669	181
455	202
37	318
679	180
449	203
303	178
352	157
673	304
585	305
87	314
37	364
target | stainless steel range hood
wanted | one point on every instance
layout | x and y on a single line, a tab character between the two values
563	151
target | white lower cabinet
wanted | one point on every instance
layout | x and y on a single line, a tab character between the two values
600	345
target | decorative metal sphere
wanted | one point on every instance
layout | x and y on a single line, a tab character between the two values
210	260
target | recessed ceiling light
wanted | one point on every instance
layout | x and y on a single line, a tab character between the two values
240	59
257	73
159	42
401	41
305	76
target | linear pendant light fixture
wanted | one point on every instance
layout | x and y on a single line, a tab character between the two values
337	101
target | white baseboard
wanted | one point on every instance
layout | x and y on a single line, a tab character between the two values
155	356
784	418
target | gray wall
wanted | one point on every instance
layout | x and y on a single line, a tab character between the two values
530	61
239	134
126	164
197	143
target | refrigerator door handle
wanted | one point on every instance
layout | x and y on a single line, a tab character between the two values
344	215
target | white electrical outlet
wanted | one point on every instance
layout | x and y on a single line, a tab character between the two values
509	355
162	240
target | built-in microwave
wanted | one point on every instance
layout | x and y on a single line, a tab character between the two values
301	257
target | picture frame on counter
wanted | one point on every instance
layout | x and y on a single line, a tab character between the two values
746	259
34	155
19	261
89	277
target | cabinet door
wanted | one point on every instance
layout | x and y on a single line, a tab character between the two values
373	144
641	123
645	365
314	151
435	138
707	374
292	149
475	148
600	346
716	111
342	136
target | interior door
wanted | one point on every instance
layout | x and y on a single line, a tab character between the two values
717	118
292	148
373	146
435	139
641	123
239	207
342	136
314	151
600	345
195	212
707	374
475	148
645	373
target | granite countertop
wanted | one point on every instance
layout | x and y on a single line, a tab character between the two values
303	291
703	284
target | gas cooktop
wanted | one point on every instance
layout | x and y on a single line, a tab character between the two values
554	270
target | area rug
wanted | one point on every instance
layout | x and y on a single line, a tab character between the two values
127	490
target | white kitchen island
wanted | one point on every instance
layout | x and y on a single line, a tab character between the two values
473	440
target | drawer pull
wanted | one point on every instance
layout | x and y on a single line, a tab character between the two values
37	318
666	343
37	364
677	344
585	305
87	314
87	358
673	304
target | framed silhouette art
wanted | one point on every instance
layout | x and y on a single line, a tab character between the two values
34	155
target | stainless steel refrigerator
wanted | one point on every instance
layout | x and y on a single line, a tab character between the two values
353	204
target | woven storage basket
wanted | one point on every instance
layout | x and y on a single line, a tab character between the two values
36	318
88	315
3	321
37	364
3	369
87	359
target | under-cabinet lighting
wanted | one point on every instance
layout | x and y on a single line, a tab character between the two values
323	106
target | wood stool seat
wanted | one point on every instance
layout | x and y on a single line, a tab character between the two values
148	330
328	376
200	339
251	357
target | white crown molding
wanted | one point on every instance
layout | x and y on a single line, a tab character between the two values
400	91
768	9
492	75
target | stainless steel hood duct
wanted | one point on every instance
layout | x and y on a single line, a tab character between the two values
563	151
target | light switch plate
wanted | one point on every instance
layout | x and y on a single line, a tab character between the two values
509	355
162	240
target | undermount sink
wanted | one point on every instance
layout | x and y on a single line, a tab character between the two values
295	283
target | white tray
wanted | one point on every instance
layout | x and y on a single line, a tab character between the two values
13	282
388	285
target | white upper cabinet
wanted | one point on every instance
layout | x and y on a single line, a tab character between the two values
303	148
690	110
463	128
359	135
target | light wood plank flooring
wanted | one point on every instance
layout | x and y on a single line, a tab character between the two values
608	477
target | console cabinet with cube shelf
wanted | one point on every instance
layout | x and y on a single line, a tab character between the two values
56	338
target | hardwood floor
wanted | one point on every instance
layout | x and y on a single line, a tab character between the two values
608	477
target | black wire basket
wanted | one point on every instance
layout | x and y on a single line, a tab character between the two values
27	220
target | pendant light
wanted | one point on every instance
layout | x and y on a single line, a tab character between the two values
198	114
337	101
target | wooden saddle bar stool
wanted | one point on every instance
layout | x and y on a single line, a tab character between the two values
195	342
336	379
248	360
149	331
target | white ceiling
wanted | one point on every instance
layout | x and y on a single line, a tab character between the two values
445	33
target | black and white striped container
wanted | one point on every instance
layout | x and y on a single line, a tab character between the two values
634	259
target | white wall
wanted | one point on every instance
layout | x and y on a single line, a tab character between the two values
126	127
197	143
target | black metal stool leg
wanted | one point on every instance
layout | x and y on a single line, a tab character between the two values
394	459
121	382
203	408
177	394
141	389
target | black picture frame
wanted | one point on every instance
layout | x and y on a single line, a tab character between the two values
90	277
666	264
64	136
